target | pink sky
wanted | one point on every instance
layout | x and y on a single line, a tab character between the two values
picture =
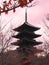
36	15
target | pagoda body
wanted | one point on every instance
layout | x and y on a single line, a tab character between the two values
26	40
26	36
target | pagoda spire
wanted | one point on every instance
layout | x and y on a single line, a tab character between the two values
26	15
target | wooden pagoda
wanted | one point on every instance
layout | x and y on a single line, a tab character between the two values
26	40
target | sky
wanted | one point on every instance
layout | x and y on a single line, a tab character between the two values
35	14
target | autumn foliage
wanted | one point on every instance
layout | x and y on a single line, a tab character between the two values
23	2
6	5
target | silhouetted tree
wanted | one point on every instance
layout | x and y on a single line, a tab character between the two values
5	39
46	32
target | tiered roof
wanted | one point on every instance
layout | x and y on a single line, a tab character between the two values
26	27
26	35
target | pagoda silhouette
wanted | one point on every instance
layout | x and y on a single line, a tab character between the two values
26	40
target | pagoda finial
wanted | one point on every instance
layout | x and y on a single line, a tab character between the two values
26	15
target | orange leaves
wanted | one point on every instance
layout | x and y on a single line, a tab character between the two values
12	4
6	12
0	10
5	7
30	0
14	10
23	2
9	2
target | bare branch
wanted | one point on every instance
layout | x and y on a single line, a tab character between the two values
13	7
45	24
18	5
46	28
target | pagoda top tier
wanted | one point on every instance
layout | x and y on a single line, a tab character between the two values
26	27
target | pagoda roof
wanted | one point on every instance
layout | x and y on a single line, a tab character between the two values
26	26
26	43
26	35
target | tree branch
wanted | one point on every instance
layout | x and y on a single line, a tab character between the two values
16	6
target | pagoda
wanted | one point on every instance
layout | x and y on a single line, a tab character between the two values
26	40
